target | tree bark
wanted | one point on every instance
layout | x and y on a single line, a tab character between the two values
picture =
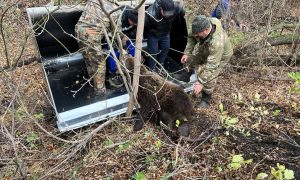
285	39
270	61
137	59
272	41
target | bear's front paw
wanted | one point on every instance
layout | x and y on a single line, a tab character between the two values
138	125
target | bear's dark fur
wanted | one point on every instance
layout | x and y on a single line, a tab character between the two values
161	100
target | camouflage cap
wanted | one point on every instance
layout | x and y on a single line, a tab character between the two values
199	24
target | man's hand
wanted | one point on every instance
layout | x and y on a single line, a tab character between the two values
184	58
124	40
197	88
244	27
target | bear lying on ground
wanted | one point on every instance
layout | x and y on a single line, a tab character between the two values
161	101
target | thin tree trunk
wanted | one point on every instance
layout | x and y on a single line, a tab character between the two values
284	39
137	59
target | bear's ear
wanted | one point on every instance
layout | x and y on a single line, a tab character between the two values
129	64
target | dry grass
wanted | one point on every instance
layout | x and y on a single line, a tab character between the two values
118	153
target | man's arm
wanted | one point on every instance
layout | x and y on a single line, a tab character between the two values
191	41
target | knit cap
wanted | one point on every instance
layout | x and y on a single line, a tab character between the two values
199	24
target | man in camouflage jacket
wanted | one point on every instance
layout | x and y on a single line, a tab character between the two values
89	31
207	52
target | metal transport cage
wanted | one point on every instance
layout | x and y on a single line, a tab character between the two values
65	71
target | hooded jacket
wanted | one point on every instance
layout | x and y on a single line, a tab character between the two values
126	28
155	24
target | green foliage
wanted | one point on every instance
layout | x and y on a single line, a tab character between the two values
295	76
31	139
237	161
237	38
295	88
20	114
261	176
123	147
107	142
244	132
276	112
281	173
33	177
166	176
288	174
238	98
257	97
139	176
177	122
150	159
260	110
76	170
274	34
219	169
226	120
158	144
57	2
38	116
221	108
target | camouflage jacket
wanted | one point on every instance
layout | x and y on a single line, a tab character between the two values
93	15
212	52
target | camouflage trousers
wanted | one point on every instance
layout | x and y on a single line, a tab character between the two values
90	46
198	62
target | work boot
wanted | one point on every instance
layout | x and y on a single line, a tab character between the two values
205	100
99	88
115	80
138	125
100	92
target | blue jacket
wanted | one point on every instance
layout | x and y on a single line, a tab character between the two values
219	8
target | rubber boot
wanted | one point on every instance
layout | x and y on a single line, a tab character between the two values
115	81
205	100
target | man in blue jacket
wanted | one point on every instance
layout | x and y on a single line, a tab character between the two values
158	22
129	20
226	11
220	9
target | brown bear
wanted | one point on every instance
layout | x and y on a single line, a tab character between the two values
161	101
